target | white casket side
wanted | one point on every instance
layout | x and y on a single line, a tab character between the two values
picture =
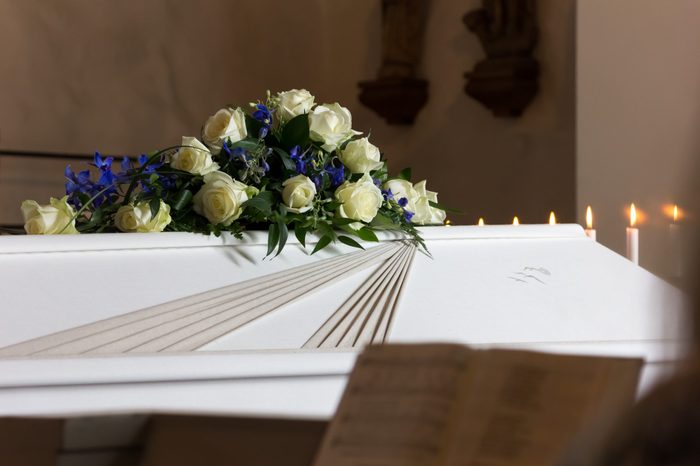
186	322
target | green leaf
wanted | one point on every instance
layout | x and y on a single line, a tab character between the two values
405	174
332	206
273	237
300	233
284	233
343	221
367	234
349	241
446	209
383	222
295	132
252	125
95	220
247	144
284	156
261	202
183	199
322	243
326	230
154	204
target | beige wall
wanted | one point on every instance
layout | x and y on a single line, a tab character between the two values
638	114
129	77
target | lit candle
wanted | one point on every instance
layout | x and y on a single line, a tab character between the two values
552	218
448	223
675	242
480	222
590	232
516	221
633	237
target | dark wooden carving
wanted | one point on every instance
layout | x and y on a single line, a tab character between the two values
506	81
398	94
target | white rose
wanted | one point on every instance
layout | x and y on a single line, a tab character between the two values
193	157
361	156
293	103
227	123
130	218
221	197
401	189
425	213
331	125
298	193
57	217
360	200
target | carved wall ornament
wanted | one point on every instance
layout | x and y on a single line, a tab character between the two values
398	94
506	81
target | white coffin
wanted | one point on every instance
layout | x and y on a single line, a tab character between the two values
140	322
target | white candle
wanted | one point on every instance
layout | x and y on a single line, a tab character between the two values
675	242
633	237
590	232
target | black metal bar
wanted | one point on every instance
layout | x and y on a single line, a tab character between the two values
12	230
44	155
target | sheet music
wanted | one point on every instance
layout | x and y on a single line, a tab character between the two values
429	405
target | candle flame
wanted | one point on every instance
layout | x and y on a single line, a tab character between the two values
589	218
633	215
516	221
673	212
448	223
481	222
552	218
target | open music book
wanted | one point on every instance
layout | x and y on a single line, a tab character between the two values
439	404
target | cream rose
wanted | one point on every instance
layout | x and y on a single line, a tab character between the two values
138	218
331	125
425	213
360	200
293	103
227	123
298	193
361	156
221	197
401	189
52	219
193	157
418	200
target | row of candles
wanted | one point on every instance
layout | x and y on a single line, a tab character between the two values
632	230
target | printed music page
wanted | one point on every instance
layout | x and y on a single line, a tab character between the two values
435	405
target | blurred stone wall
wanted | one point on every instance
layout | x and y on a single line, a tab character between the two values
129	77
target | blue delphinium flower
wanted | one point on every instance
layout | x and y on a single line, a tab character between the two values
403	202
77	184
387	194
226	148
337	174
241	154
124	176
149	168
298	159
407	215
264	116
103	164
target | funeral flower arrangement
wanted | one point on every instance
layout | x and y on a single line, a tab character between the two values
287	164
